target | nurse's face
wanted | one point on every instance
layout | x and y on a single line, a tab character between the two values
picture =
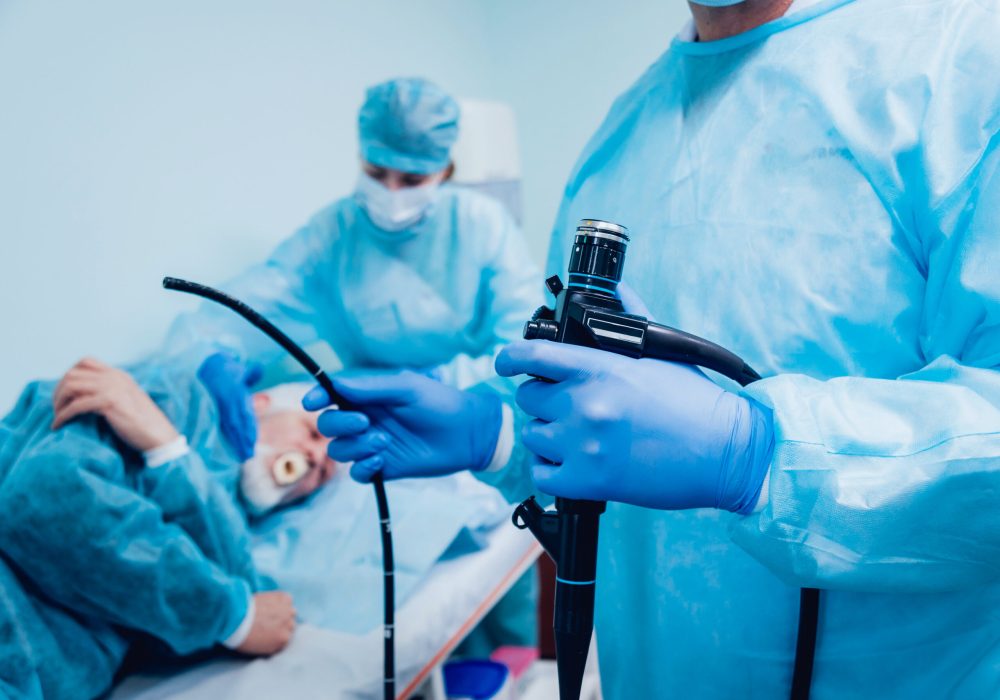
397	179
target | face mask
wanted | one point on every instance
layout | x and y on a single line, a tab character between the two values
394	210
268	478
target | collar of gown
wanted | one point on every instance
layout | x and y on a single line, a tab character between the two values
799	12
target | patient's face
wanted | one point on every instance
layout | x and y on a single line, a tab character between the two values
295	431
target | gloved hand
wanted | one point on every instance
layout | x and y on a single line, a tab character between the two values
229	380
632	302
411	426
645	432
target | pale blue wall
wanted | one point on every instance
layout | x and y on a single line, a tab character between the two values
139	139
561	63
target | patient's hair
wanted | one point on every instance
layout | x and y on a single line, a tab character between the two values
286	397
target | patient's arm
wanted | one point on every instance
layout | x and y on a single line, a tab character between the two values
178	481
191	498
96	546
92	387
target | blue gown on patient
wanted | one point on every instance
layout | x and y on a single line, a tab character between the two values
95	549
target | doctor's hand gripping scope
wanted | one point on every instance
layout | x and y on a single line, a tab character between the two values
588	312
313	368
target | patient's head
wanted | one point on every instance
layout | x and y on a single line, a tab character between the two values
290	460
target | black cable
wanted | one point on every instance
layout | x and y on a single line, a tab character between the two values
805	645
666	343
272	331
389	590
313	368
805	642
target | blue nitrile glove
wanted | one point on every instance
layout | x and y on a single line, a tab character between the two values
645	432
632	302
229	380
411	426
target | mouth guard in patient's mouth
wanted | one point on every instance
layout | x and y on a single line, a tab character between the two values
289	468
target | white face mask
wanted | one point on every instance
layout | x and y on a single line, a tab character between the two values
394	210
268	477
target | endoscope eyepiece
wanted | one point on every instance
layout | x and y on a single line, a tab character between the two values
598	256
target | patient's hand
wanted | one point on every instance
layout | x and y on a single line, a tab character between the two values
273	624
94	387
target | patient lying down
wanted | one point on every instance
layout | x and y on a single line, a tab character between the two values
123	516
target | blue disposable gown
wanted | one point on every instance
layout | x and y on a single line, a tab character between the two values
93	544
443	296
821	195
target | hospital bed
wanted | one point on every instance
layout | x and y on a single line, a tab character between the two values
319	663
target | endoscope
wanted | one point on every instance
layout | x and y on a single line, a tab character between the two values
312	367
588	312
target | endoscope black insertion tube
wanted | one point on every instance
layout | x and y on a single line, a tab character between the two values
313	368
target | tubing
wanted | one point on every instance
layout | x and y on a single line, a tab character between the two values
805	644
313	368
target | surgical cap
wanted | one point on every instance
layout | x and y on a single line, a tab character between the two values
408	124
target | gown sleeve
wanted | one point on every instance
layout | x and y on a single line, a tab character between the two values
192	499
99	547
892	484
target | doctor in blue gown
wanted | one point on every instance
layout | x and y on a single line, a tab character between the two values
408	271
815	185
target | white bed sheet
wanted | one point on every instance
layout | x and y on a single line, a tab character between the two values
318	663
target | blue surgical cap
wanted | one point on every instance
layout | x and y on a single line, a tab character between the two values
408	124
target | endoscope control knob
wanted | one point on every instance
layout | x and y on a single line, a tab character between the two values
542	329
543	313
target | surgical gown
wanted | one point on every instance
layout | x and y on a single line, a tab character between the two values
822	196
443	296
95	548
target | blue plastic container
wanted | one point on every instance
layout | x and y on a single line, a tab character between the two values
476	679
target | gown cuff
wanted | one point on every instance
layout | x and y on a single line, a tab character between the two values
158	456
505	443
763	498
240	634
